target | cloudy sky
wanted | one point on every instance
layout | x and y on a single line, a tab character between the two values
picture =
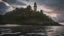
52	8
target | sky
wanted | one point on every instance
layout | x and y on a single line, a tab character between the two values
52	8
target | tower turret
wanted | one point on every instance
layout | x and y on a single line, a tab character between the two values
35	6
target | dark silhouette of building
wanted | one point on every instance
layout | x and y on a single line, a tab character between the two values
35	6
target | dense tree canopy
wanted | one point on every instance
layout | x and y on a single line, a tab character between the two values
27	16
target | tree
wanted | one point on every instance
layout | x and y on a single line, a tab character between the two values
28	16
41	11
29	8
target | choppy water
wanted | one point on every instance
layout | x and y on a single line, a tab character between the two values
50	30
56	31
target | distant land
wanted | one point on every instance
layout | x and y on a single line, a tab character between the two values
27	16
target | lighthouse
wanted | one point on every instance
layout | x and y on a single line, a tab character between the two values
35	6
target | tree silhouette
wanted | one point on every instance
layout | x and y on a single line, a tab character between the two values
41	11
29	8
28	16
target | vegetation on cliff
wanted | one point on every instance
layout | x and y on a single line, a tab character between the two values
27	16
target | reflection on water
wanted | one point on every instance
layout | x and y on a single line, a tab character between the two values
29	30
9	25
56	31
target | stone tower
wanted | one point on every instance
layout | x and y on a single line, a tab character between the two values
35	6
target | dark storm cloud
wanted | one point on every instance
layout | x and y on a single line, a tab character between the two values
3	8
10	3
14	2
51	3
47	1
56	5
26	0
